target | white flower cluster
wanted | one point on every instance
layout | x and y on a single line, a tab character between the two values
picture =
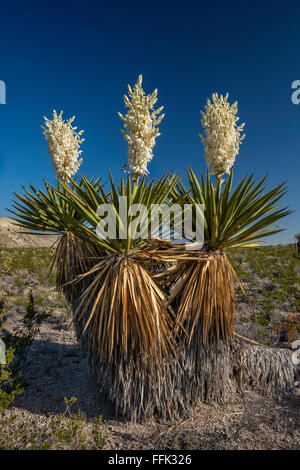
222	136
63	145
140	127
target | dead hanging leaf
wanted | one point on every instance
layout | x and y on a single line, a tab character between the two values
202	288
126	310
73	257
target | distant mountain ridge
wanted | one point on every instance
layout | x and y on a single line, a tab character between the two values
12	236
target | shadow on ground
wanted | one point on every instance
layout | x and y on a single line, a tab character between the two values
54	371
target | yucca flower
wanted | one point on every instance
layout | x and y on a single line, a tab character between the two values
140	124
63	145
222	136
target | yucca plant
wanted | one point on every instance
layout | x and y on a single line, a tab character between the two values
123	290
119	309
156	318
200	286
203	283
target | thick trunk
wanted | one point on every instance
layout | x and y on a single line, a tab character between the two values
199	373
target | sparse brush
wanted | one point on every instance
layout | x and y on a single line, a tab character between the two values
17	346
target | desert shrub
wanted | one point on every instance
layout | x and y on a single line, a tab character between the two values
34	260
23	336
66	431
17	347
10	381
70	431
289	329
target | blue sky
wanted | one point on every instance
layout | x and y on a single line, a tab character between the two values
79	57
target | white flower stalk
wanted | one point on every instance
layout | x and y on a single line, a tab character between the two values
221	137
140	124
63	145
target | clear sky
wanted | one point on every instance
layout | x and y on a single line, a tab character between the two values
79	57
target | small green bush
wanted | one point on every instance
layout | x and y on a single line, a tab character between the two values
17	347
